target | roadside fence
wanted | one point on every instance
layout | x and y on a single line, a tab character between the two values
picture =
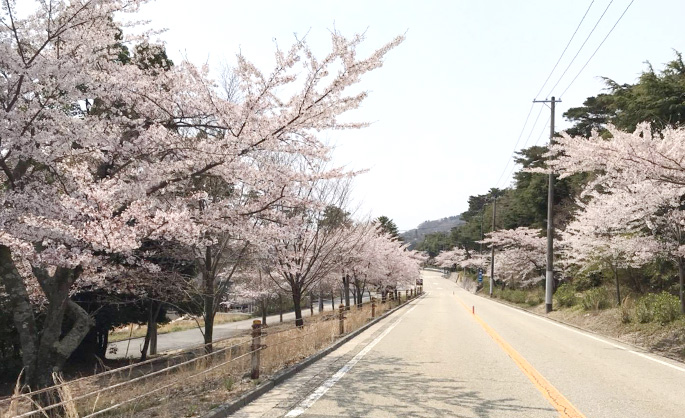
161	384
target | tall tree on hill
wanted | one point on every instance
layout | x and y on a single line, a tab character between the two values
388	226
656	97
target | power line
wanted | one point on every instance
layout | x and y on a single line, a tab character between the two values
564	51
511	157
544	128
599	46
517	143
581	48
537	141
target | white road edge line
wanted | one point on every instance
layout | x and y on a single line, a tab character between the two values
682	369
566	327
321	390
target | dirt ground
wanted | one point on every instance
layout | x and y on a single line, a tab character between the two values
667	340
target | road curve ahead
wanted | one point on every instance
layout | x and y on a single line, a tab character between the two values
436	358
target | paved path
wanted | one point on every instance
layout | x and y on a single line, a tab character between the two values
434	358
193	337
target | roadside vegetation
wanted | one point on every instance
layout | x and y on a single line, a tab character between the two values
652	321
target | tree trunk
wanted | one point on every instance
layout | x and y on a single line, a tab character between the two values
618	288
280	307
358	293
681	277
262	307
151	334
320	300
332	300
346	284
297	304
208	296
45	351
311	303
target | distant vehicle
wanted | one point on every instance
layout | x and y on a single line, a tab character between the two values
419	282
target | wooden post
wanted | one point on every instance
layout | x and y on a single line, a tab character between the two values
256	347
373	307
341	318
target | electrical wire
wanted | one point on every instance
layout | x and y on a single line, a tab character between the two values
511	157
599	46
543	131
536	142
580	49
564	51
516	145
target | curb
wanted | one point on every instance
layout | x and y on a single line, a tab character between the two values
589	331
227	409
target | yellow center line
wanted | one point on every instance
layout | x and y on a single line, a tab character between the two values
558	401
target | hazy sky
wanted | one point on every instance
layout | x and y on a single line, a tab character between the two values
449	104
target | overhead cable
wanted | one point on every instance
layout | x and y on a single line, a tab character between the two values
580	49
564	51
599	46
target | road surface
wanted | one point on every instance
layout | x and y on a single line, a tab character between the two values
435	358
193	337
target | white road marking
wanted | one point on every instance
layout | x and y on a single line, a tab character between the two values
321	390
682	369
566	327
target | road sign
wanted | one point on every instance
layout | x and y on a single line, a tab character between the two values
480	275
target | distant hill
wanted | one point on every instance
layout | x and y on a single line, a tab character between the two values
415	235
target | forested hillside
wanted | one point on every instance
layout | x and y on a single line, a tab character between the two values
413	236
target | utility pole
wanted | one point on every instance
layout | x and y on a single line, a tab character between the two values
492	254
549	277
482	209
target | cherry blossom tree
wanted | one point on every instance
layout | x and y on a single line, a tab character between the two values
356	260
644	171
97	155
607	232
391	265
312	240
521	254
447	259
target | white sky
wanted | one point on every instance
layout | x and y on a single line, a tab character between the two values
450	102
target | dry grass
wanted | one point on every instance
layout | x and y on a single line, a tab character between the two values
192	383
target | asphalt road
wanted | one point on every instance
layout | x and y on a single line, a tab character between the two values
436	358
193	337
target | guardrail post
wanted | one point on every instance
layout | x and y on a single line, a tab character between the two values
373	307
341	318
256	347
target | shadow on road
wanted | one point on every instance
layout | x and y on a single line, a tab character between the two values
384	387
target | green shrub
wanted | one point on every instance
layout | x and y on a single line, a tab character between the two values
535	297
514	295
595	299
566	295
588	281
657	307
